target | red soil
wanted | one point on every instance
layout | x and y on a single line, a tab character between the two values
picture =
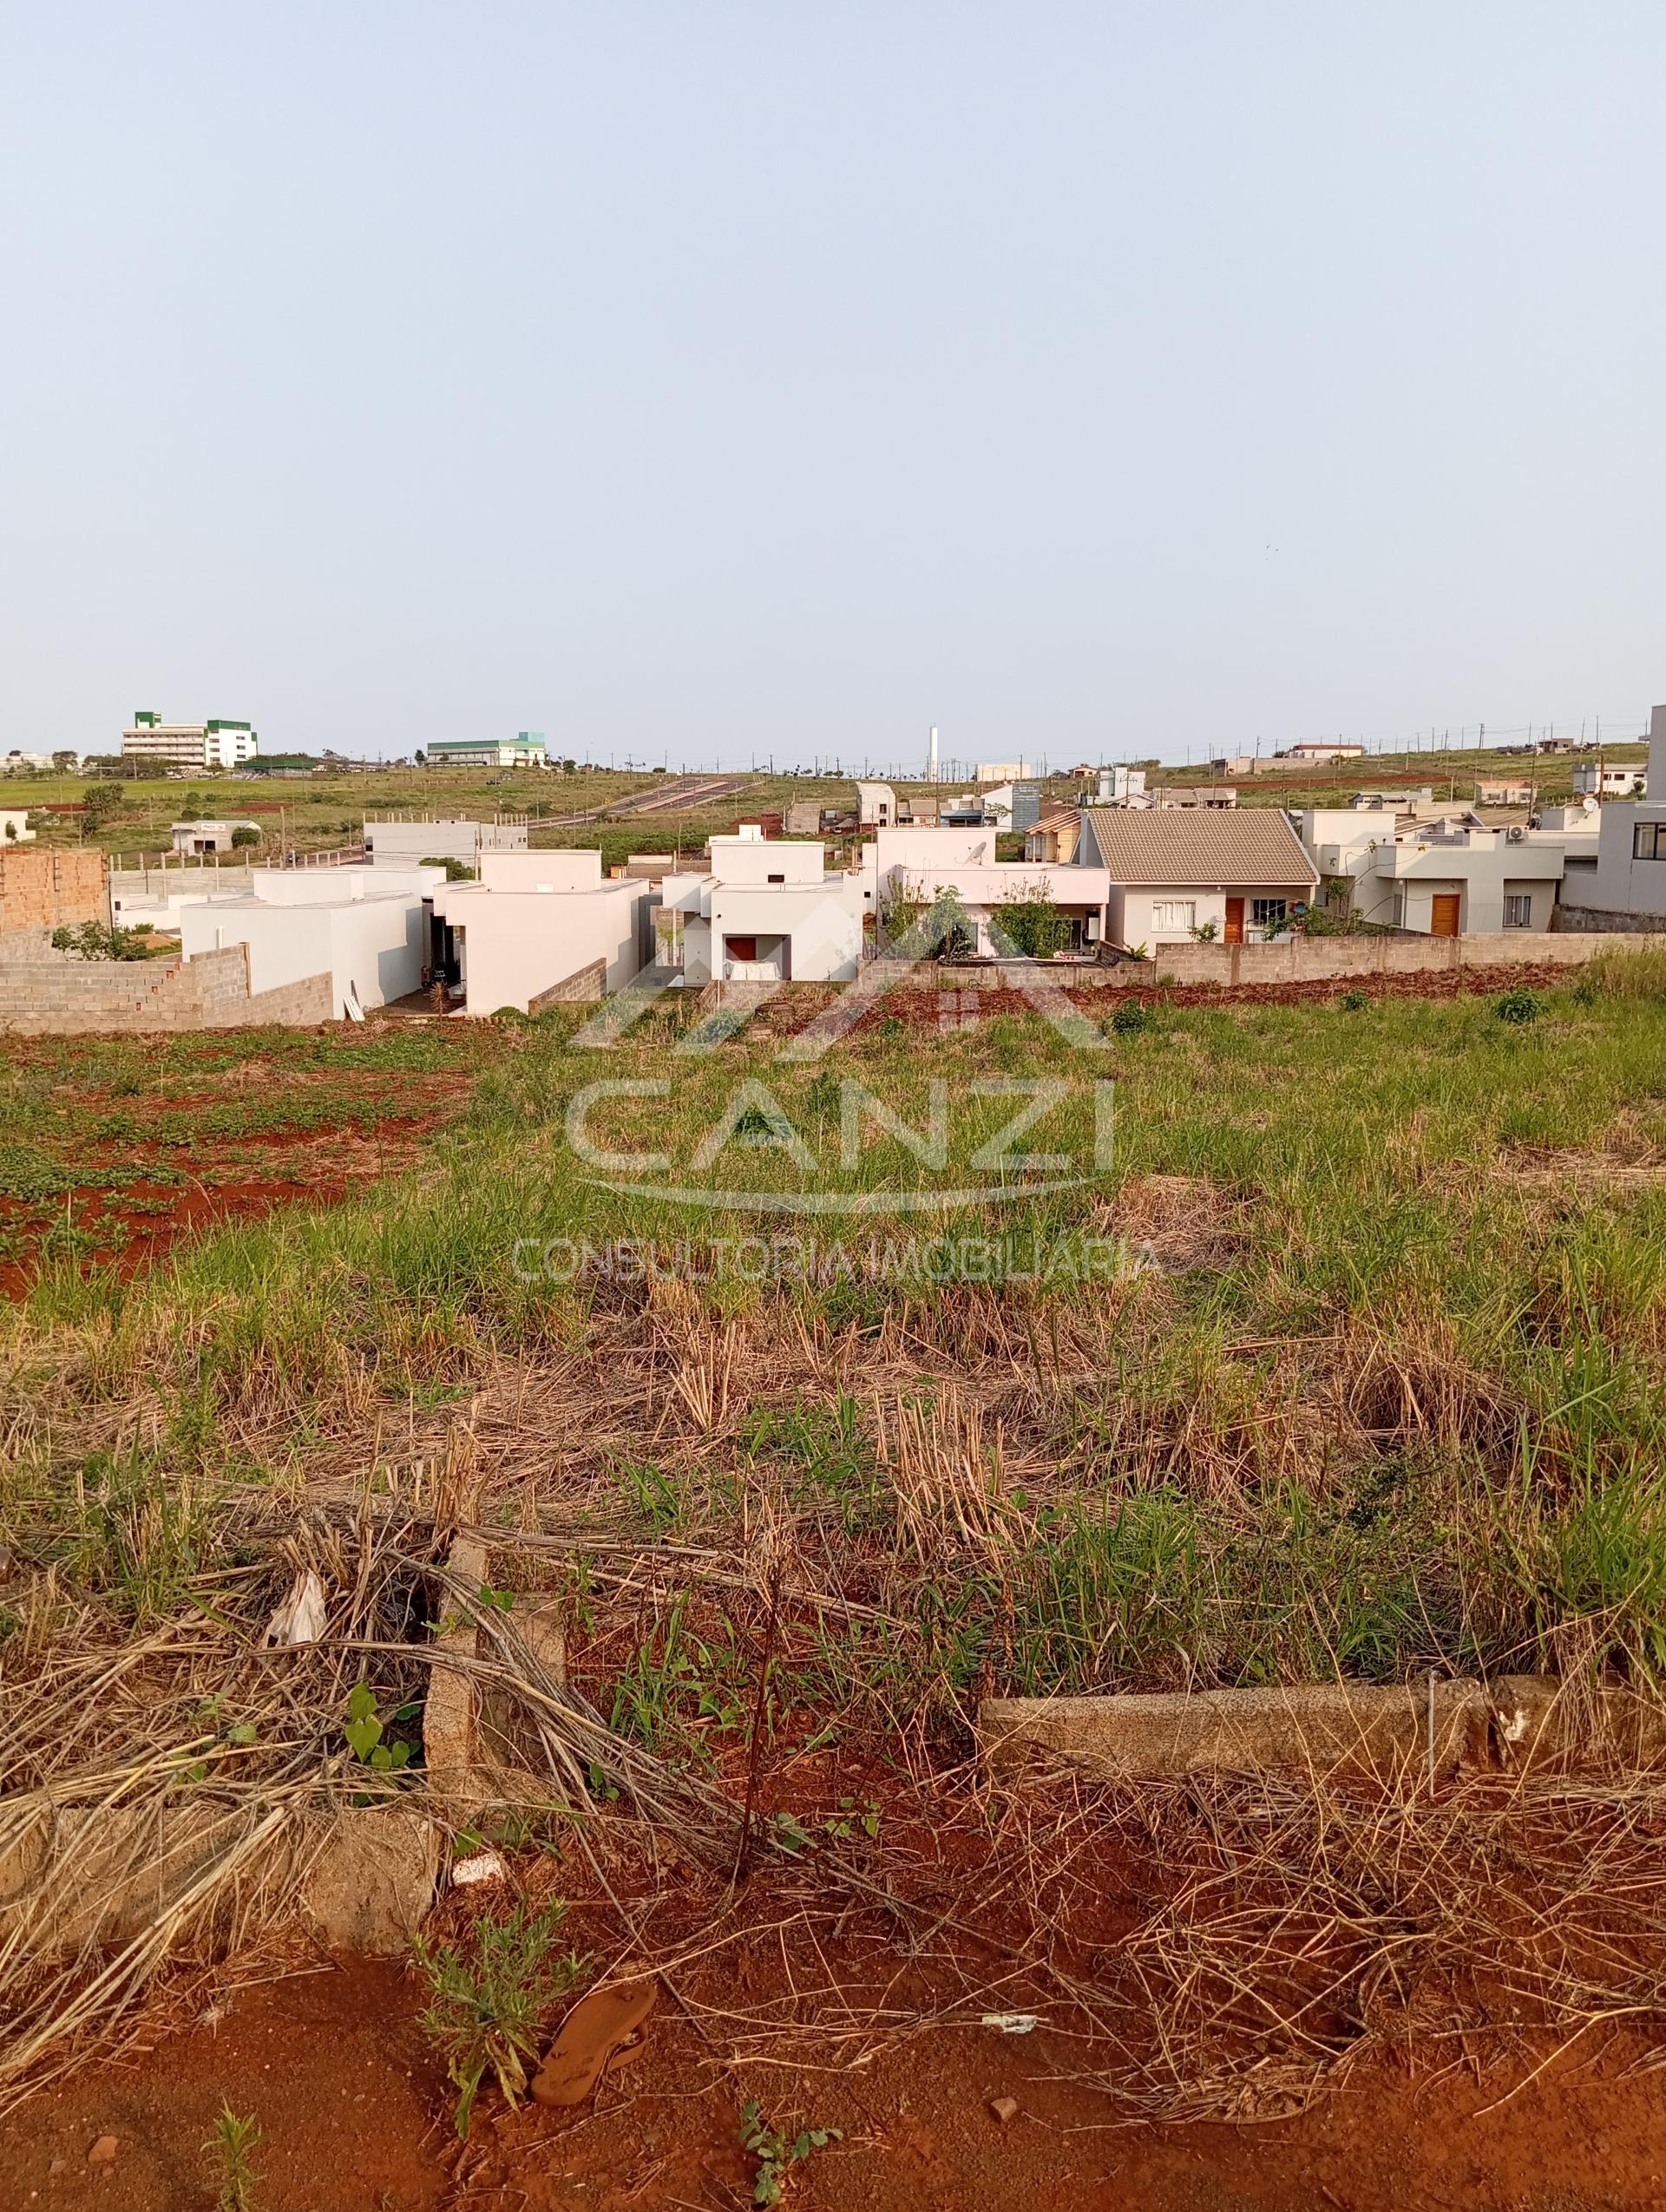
356	2114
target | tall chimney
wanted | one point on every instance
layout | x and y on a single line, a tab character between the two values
1654	784
931	754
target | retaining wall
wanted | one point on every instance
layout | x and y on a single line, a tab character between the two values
52	889
69	998
1310	960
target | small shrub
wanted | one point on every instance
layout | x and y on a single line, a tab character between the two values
92	940
487	2007
1355	1002
1130	1018
232	2142
1517	1006
776	2155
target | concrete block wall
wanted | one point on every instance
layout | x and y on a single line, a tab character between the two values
584	987
41	889
1319	959
71	998
1599	921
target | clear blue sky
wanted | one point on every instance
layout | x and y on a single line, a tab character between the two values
691	380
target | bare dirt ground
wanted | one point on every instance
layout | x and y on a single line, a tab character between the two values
354	2111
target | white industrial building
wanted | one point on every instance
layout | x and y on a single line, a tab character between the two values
535	921
150	742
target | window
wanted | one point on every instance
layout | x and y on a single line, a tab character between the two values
777	879
1268	910
1174	914
1649	842
1518	909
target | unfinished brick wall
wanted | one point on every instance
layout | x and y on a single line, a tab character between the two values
72	998
48	890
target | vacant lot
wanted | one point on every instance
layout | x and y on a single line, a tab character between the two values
1327	1342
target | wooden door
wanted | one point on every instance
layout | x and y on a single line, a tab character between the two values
1234	922
1445	923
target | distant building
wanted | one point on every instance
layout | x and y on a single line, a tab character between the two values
1505	791
1319	752
1593	778
525	750
13	826
1219	796
151	743
876	806
1000	771
1013	806
404	841
210	836
1118	787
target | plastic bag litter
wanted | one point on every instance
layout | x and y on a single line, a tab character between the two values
1012	2022
299	1619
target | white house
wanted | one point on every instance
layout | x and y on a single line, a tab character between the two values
14	825
1603	780
1237	875
534	920
875	805
766	910
1443	878
915	866
365	928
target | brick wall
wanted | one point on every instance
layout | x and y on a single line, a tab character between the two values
75	997
583	987
43	889
1319	959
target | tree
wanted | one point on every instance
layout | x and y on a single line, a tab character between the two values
11	829
243	835
1033	926
65	761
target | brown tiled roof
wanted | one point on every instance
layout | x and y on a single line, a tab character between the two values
1176	846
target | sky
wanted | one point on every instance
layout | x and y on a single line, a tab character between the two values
701	383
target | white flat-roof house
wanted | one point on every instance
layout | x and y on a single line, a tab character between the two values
535	921
14	825
1609	780
1239	873
1444	877
767	910
917	865
365	928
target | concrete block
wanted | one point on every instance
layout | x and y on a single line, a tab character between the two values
1317	1725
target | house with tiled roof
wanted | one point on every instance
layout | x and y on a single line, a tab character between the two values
1238	876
